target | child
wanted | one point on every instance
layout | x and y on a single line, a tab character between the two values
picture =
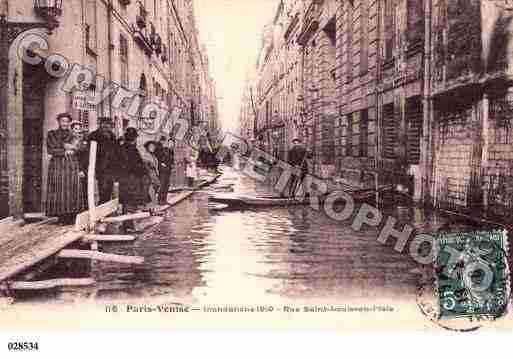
190	171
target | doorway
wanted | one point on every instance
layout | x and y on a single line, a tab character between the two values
33	119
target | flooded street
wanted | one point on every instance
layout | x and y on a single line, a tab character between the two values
267	255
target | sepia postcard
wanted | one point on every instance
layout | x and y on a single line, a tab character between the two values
266	164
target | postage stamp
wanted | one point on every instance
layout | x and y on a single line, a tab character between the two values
471	274
471	284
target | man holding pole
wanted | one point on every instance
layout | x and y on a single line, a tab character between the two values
297	159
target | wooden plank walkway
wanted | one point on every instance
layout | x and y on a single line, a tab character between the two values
22	247
27	247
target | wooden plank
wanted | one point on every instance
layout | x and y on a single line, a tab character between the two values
22	261
52	283
7	220
147	223
50	220
180	189
38	215
15	232
8	224
126	217
99	256
108	238
160	208
179	198
102	211
91	203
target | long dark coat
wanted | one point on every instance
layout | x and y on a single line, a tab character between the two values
297	156
107	157
132	171
65	195
166	157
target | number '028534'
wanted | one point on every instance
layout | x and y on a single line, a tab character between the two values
23	346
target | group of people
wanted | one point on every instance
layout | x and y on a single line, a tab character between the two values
144	176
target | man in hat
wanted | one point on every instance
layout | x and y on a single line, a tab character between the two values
107	158
166	157
297	158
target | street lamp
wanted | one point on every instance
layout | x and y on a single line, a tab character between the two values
48	10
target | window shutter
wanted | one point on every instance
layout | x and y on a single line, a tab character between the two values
389	131
414	129
364	133
349	135
364	37
389	24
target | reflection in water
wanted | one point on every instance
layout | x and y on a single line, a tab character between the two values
253	256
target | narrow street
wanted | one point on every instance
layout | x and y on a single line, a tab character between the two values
270	254
120	124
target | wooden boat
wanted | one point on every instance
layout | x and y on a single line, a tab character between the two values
206	181
248	201
180	189
360	195
217	207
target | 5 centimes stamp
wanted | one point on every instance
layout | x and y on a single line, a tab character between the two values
471	280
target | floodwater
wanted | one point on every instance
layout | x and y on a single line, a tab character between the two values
265	255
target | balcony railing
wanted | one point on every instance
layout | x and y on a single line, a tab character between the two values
310	21
292	24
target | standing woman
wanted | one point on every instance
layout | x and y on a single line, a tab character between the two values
65	197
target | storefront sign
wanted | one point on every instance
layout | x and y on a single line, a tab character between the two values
84	101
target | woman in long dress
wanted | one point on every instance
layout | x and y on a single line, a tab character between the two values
65	197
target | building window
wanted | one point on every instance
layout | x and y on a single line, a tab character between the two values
91	26
349	45
123	58
364	133
415	14
349	135
389	28
364	37
389	132
83	117
328	141
331	31
414	129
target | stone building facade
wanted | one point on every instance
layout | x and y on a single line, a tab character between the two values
470	78
147	48
415	91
